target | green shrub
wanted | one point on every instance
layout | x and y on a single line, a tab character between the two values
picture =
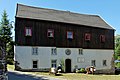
82	70
10	61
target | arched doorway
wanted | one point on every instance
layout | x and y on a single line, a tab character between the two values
68	65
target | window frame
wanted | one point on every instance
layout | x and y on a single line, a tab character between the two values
34	50
80	50
54	64
80	59
28	31
53	51
93	63
50	31
69	37
102	38
104	62
87	36
35	64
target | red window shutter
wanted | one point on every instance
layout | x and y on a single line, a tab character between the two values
69	35
87	36
50	33
28	31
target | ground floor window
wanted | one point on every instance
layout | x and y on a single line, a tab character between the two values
35	64
93	62
54	63
104	62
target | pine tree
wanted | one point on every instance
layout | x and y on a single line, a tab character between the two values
5	28
5	34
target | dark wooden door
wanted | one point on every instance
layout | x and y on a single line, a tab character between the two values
68	65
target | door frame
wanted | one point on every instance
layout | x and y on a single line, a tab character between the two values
68	65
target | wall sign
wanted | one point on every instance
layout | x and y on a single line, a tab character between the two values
68	51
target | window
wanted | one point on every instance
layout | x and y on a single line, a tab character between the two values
50	33
80	51
54	63
80	60
28	31
104	62
69	35
87	36
34	51
93	63
35	64
53	51
102	38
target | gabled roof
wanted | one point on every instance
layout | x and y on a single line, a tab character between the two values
24	11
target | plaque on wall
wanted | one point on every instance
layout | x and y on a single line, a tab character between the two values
68	51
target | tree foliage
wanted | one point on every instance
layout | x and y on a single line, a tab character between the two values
6	34
117	46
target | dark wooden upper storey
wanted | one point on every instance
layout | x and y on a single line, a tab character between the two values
86	31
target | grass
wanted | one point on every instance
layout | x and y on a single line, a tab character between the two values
74	76
79	76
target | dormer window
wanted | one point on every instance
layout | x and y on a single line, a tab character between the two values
69	35
28	31
50	33
102	38
87	36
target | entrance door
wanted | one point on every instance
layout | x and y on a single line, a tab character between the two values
68	65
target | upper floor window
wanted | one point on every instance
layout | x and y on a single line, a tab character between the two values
50	33
34	51
53	51
102	38
28	31
87	36
69	35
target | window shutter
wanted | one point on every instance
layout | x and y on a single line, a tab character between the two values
28	31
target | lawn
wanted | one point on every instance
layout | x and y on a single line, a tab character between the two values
79	76
75	76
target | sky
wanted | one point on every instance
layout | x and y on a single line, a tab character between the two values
109	10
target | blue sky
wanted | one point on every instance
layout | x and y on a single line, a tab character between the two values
109	10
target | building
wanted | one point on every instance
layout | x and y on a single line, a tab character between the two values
46	38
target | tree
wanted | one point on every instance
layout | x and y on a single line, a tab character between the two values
117	43
5	34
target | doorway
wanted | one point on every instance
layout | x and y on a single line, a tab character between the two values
68	65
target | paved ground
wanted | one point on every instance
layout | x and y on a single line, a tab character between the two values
18	76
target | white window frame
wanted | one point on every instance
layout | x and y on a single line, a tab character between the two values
35	64
80	59
93	63
87	36
51	32
80	51
54	63
104	62
28	31
53	51
69	35
34	50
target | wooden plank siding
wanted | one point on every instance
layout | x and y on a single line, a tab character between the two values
39	35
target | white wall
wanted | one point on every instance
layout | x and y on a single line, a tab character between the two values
24	56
